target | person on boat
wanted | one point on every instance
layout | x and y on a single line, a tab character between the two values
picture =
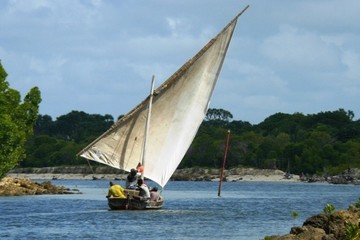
131	179
140	168
116	190
154	194
144	193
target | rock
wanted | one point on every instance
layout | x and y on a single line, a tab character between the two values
231	175
317	221
325	226
21	186
335	223
302	233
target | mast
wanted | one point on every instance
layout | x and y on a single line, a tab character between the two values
223	166
147	126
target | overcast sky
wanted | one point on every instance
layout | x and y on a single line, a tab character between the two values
99	56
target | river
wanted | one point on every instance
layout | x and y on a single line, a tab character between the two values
192	210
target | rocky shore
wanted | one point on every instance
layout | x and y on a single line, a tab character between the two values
338	225
187	174
350	176
22	186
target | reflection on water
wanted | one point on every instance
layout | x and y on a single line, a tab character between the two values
246	210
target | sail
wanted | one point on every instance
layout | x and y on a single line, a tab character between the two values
178	108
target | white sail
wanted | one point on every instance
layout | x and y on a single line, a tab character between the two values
179	107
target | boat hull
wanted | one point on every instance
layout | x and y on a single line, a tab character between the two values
116	203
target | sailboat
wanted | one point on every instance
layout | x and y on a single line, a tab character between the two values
176	109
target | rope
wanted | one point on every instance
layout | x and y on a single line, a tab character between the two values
93	173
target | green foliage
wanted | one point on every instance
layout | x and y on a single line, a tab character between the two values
218	115
357	204
57	142
293	143
352	231
294	215
329	209
79	125
49	151
16	120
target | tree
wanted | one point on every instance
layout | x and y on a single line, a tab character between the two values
44	125
78	125
218	114
16	122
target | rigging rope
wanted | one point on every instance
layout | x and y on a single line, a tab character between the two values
93	173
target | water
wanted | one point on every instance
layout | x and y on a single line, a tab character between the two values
245	210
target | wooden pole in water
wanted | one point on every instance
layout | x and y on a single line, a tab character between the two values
223	166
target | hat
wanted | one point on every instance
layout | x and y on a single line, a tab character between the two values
133	171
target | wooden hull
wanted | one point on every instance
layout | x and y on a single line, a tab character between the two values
133	204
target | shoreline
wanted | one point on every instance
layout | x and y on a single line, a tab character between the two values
229	178
239	174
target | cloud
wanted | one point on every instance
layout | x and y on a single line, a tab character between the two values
352	62
298	49
99	56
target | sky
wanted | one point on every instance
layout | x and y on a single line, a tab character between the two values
98	56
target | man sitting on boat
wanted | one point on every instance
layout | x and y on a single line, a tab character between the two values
116	190
154	194
131	179
144	193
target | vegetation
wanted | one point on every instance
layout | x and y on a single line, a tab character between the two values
323	143
357	204
329	209
16	122
294	215
352	231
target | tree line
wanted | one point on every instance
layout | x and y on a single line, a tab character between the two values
326	142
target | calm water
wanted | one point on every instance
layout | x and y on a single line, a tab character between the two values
246	210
